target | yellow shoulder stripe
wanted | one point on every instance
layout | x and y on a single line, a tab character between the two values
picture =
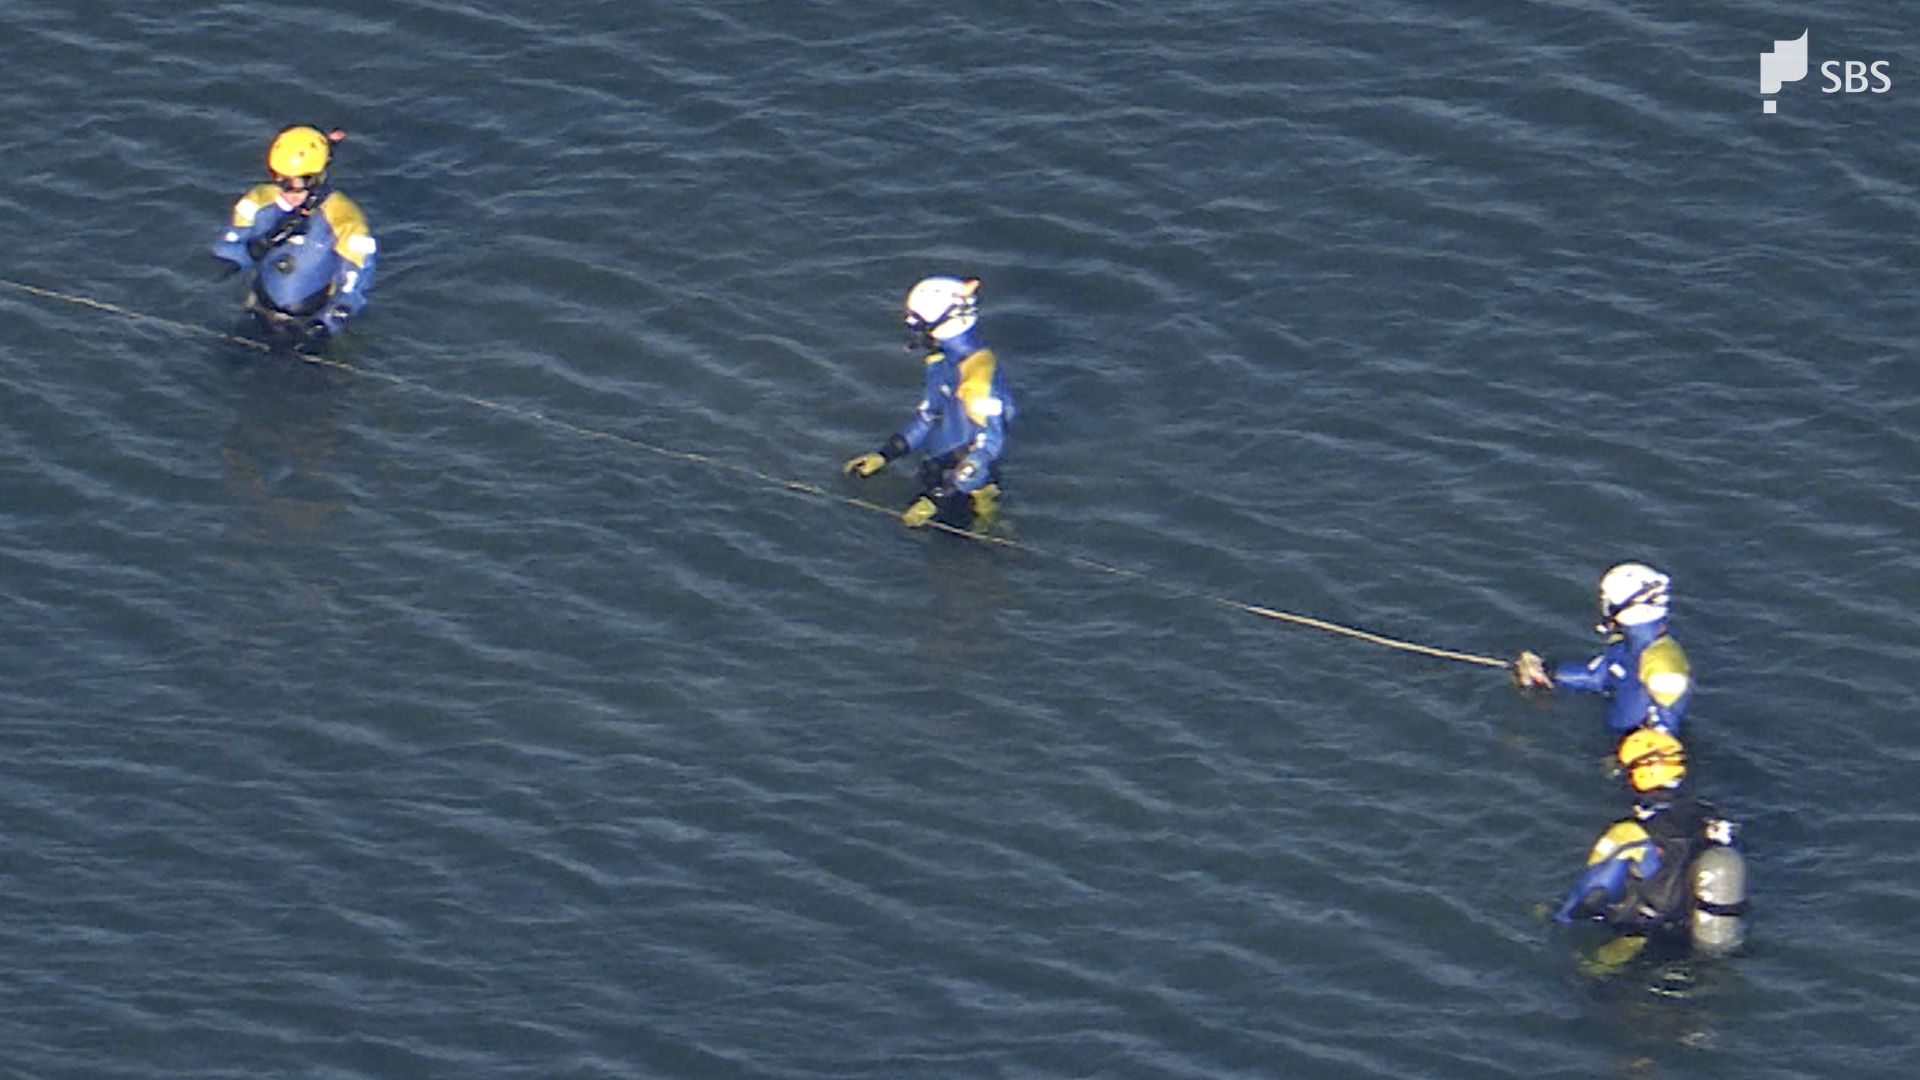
351	237
976	387
1664	670
1622	840
248	207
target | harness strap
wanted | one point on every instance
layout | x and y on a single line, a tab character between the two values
296	223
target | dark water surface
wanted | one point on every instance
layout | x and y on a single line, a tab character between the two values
404	723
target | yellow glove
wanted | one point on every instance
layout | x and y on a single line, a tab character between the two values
986	502
1608	959
865	465
919	513
1530	672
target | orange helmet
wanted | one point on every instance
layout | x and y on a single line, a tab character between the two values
1653	759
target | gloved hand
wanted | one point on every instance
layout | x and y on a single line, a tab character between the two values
868	464
986	502
1530	672
330	323
921	512
865	465
1608	959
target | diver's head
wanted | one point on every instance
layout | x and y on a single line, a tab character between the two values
1632	594
940	309
1655	764
298	157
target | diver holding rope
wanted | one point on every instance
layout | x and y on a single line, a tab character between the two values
961	421
1643	672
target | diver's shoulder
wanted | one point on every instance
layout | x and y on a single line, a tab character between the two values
340	208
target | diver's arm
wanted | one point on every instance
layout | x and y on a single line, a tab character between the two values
978	394
1667	680
350	285
1595	676
1598	886
357	254
254	216
902	442
1629	707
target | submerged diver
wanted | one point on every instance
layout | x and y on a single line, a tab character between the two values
1667	871
961	421
308	247
1643	672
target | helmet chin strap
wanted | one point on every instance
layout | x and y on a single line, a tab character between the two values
1614	626
1646	592
921	335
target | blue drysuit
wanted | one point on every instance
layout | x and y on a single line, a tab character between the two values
1644	674
312	264
961	421
1636	875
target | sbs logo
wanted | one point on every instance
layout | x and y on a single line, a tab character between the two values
1787	62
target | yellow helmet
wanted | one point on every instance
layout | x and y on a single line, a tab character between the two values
1653	759
299	151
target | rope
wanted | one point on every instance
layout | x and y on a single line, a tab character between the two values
797	487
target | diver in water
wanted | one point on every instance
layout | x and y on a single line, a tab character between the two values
1642	671
307	246
961	421
1669	870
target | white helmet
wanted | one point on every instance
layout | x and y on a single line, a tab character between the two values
939	308
1632	594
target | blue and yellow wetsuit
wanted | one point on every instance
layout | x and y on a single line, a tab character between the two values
1644	674
1636	879
313	264
961	421
1623	860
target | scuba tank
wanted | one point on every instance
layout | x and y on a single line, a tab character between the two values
1718	925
